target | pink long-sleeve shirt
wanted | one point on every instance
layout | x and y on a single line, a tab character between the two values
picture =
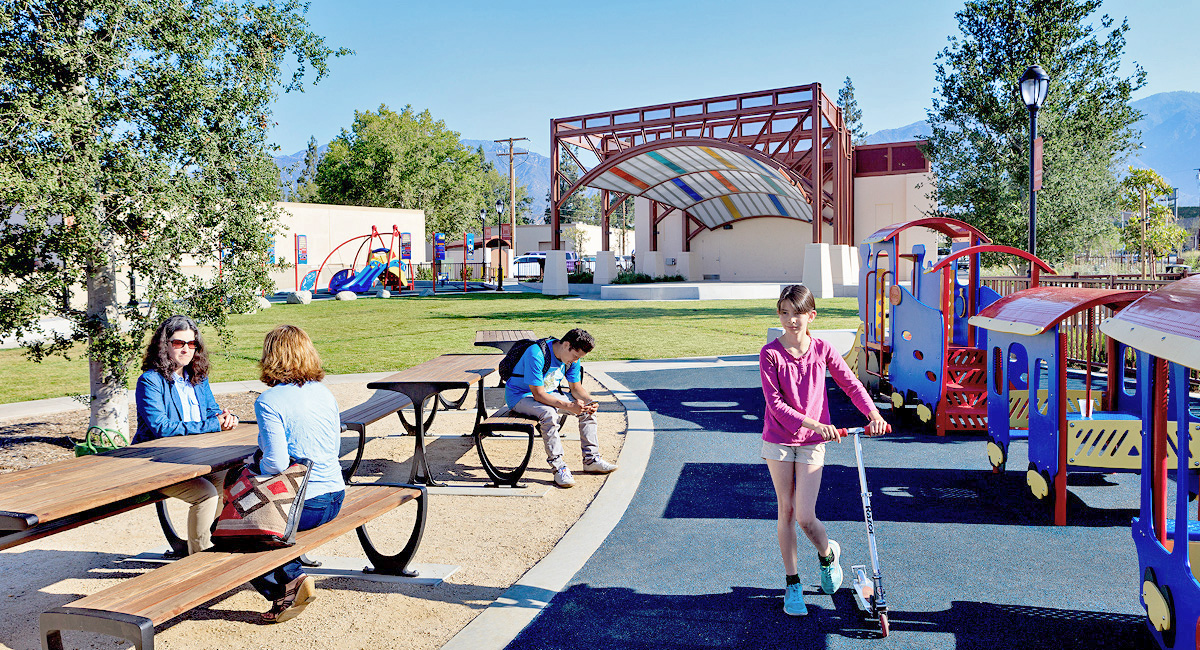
795	388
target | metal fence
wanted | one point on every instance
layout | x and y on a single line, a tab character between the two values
452	272
1077	325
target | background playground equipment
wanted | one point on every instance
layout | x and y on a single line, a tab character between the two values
1164	328
919	345
1073	430
384	261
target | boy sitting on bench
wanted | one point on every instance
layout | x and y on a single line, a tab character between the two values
531	391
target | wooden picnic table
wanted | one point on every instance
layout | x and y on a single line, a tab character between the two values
44	500
428	379
502	340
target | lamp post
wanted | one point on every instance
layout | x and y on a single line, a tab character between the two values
500	228
1035	83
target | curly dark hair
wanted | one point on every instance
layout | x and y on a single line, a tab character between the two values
158	354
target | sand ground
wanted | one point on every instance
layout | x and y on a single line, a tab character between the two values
494	540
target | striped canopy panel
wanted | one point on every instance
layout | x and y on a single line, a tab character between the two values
714	185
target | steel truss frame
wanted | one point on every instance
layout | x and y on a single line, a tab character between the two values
781	124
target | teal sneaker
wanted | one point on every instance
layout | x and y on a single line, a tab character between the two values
831	575
793	601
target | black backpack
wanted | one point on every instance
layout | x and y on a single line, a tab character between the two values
513	357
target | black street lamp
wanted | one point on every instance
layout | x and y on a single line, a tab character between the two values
500	232
1035	83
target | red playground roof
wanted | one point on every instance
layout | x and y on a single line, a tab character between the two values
952	228
1165	323
1033	311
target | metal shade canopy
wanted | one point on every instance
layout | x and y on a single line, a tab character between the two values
713	181
1035	84
1165	323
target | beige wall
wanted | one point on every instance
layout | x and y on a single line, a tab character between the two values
884	200
770	248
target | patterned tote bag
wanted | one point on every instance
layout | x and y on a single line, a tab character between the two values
261	511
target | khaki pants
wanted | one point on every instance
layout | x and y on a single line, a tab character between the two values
548	423
204	493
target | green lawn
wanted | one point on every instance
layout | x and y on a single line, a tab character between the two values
380	335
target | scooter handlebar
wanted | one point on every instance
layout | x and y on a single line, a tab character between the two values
842	433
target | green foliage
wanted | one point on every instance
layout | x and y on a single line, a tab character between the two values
406	160
580	277
498	188
851	113
579	206
1162	235
306	182
135	141
633	277
980	141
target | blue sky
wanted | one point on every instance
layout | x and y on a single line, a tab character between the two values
504	69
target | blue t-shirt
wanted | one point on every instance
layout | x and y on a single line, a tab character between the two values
301	422
528	372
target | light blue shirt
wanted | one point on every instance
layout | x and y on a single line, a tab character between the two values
186	393
301	422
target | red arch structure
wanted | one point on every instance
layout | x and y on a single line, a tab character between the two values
774	129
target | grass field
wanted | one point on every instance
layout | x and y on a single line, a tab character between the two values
380	335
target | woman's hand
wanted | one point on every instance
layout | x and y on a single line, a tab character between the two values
227	420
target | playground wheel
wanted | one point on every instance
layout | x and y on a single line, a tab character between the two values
924	413
1039	482
1160	609
897	401
996	456
883	624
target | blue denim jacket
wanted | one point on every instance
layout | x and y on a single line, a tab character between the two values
160	414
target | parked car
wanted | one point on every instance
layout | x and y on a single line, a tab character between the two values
588	263
528	266
572	259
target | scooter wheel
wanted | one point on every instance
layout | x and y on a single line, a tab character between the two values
883	625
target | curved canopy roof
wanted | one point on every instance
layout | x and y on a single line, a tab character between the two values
714	181
1033	311
952	228
1165	323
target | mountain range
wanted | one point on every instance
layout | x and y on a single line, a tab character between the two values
1170	128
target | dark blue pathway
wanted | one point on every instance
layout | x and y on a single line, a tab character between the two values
968	558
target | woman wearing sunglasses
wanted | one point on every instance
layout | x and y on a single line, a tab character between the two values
173	399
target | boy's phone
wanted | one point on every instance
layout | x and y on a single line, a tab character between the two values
592	403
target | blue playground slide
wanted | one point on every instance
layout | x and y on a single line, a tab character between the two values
361	281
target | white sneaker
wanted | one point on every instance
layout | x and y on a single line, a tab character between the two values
563	478
599	466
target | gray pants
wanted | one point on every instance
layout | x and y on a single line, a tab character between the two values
548	423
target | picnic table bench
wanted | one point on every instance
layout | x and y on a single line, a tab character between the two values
429	379
131	608
44	500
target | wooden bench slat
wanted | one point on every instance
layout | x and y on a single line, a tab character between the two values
196	579
379	406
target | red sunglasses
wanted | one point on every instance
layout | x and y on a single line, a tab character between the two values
179	344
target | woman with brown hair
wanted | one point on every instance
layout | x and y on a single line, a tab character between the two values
297	418
173	398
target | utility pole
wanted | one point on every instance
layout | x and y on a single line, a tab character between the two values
1142	215
512	187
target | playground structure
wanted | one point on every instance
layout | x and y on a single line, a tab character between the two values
918	344
383	264
1163	328
1068	429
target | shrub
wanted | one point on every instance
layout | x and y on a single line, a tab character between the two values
580	277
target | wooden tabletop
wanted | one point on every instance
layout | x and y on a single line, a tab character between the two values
42	494
446	371
491	337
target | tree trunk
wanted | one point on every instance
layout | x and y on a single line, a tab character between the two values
109	398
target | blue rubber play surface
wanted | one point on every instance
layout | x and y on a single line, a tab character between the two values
969	559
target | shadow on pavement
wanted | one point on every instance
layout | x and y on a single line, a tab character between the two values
745	617
902	494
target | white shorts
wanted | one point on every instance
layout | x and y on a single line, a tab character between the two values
807	454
